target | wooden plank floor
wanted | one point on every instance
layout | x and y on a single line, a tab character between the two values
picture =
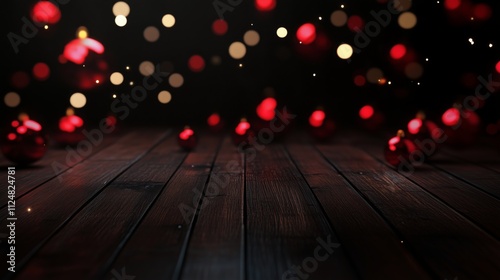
139	207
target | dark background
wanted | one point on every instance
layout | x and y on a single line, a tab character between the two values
278	63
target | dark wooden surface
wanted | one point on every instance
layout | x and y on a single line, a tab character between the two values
139	206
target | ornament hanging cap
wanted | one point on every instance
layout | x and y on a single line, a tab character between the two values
401	133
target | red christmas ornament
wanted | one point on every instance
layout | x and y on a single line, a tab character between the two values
187	139
215	122
399	149
424	133
321	127
461	127
45	12
70	130
370	118
24	142
242	133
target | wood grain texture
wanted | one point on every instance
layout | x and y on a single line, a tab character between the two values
285	226
444	240
216	247
376	250
107	220
156	247
55	202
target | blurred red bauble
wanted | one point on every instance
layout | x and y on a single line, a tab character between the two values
187	139
70	130
322	128
24	142
461	127
425	133
370	118
242	133
215	122
399	149
45	12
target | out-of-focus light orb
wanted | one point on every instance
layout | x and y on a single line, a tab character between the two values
414	70
355	23
20	79
82	32
168	20
306	33
151	34
338	18
12	99
366	112
251	38
407	20
120	20
359	80
214	119
219	27
452	4
176	80
45	12
317	118
373	75
78	100
415	125
41	71
482	11
451	117
216	60
265	5
116	78
196	63
398	51
146	68
497	67
402	5
282	32
237	50
345	51
164	97
121	9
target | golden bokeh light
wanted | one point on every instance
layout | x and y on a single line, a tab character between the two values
344	51
82	32
282	32
121	20
237	50
338	18
251	38
116	78
12	99
414	70
164	97
146	68
78	100
176	80
407	20
168	20
402	5
121	9
373	75
151	34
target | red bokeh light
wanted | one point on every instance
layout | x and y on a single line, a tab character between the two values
32	125
265	5
45	12
242	127
393	142
22	129
70	123
41	71
497	67
452	4
196	63
366	112
398	51
11	136
78	49
213	119
20	80
14	123
359	80
266	109
317	118
414	126
355	23
482	11
451	117
186	134
219	27
306	33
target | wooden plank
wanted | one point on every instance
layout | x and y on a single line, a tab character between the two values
156	247
216	247
107	221
54	204
447	242
482	178
486	157
366	237
55	162
285	226
455	193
